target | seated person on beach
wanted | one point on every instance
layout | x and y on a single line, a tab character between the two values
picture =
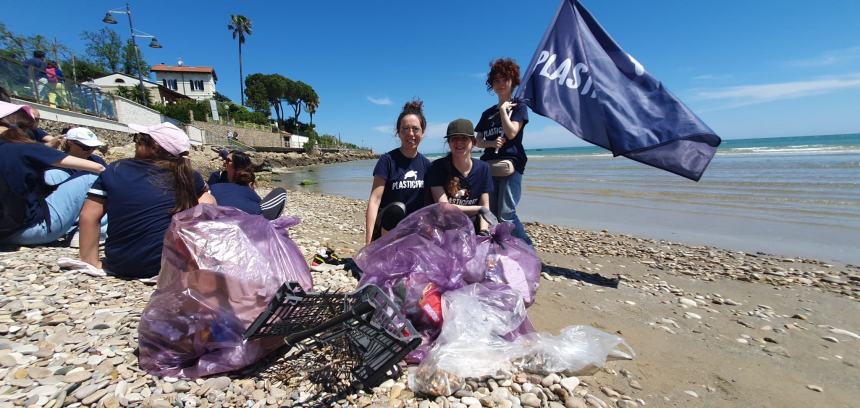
82	143
238	190
459	179
239	183
32	212
140	196
398	178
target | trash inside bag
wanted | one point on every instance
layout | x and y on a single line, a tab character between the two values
512	261
478	339
435	250
220	267
578	350
474	341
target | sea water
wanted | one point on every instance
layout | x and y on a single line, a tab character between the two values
793	196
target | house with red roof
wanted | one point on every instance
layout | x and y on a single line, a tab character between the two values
194	82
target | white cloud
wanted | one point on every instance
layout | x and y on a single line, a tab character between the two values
379	101
711	77
829	58
737	96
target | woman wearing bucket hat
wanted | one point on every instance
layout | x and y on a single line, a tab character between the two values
140	196
458	178
398	178
31	212
500	133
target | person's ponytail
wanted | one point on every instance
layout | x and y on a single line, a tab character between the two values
183	184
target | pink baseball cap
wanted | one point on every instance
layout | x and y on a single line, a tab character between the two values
7	109
172	139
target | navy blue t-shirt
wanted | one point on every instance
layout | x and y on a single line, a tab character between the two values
23	165
92	158
139	197
217	177
236	195
404	179
479	180
490	128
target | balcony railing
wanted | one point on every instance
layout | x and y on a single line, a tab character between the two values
23	82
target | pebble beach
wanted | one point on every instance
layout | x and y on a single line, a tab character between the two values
709	327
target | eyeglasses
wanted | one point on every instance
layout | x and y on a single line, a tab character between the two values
83	146
413	129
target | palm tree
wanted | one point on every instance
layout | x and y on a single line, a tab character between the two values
240	26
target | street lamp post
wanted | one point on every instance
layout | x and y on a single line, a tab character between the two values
152	44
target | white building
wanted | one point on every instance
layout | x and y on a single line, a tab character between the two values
195	82
157	93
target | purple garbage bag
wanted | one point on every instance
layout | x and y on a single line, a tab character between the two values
435	250
220	267
512	261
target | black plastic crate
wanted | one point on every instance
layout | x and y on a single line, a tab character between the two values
360	336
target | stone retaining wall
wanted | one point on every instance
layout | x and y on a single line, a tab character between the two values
247	136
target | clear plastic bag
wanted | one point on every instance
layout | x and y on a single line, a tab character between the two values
220	267
577	350
475	338
481	336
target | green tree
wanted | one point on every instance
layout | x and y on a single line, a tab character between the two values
14	46
129	61
83	69
311	104
240	26
133	93
104	46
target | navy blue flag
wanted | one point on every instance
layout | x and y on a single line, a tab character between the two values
580	78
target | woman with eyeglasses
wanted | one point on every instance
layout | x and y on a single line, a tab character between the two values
140	195
234	187
237	190
77	142
398	178
31	211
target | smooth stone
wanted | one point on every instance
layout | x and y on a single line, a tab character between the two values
77	377
549	380
218	383
46	390
39	372
610	392
815	388
87	390
570	384
691	393
687	302
470	401
530	400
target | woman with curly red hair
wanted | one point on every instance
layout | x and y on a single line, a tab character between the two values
500	133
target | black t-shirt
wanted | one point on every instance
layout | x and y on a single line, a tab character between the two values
140	196
23	165
490	128
238	196
479	180
404	179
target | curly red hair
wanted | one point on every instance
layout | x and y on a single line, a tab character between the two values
506	68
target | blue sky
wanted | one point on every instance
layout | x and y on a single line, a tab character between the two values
748	68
